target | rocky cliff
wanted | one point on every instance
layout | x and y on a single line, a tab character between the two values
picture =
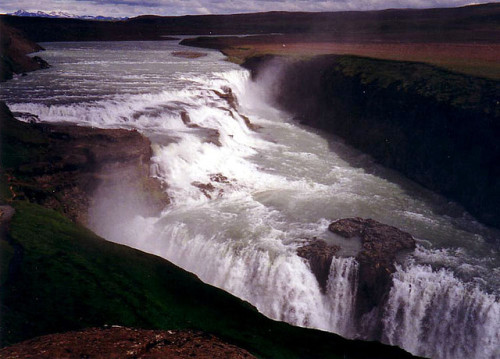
380	245
14	48
61	166
437	127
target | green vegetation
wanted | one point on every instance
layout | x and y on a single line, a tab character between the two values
458	90
20	143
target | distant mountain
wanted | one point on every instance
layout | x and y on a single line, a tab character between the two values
63	15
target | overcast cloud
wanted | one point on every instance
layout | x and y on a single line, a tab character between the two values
182	7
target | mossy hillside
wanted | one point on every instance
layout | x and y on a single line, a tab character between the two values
19	142
454	89
64	277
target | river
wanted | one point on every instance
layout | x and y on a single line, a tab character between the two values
243	201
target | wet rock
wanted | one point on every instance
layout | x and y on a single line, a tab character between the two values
319	255
208	189
187	120
189	54
219	178
120	342
249	124
380	245
27	117
205	188
211	136
348	228
227	95
232	101
41	62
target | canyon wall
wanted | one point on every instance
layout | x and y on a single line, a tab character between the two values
439	128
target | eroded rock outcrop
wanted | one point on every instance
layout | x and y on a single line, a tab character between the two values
380	245
319	255
14	48
121	342
189	54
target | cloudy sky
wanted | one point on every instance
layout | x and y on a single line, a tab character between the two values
182	7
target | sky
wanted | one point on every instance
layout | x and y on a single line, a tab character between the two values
130	8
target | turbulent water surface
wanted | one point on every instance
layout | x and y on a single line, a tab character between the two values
270	190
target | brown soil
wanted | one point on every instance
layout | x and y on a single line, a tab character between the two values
478	59
189	54
120	342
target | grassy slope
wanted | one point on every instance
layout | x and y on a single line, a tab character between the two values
64	277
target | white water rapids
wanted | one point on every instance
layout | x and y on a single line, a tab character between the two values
273	189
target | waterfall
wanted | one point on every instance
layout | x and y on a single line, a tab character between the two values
341	295
267	193
432	313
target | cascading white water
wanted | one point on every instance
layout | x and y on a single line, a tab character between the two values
341	295
432	313
272	190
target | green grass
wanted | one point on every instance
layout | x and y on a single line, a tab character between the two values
459	90
21	143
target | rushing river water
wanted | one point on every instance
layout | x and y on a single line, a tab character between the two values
272	190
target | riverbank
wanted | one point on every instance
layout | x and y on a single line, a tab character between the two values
290	188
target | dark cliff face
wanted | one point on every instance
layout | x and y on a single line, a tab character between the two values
14	48
61	167
439	128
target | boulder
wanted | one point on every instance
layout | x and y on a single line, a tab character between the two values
319	255
380	245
